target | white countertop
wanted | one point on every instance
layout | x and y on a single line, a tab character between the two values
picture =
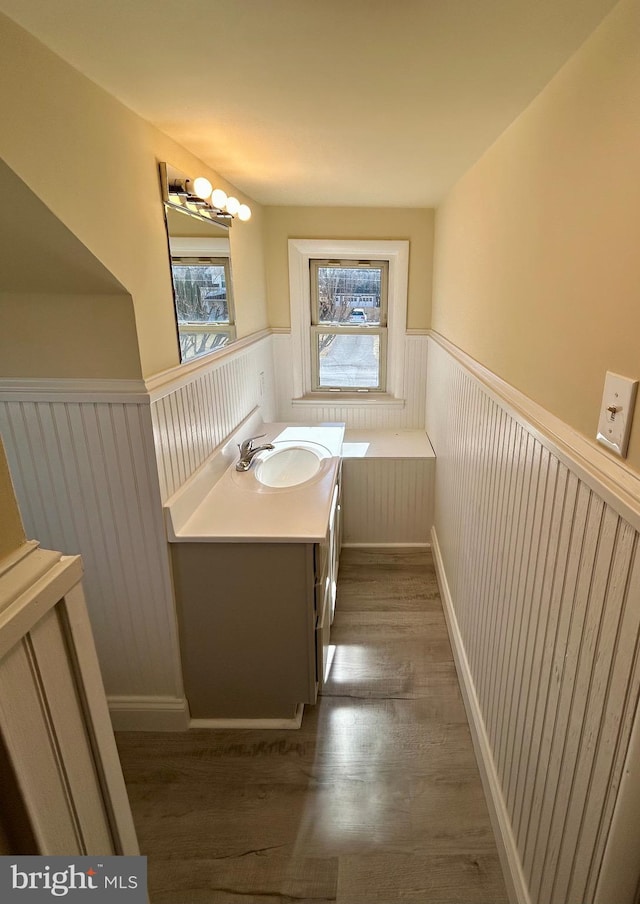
237	509
388	443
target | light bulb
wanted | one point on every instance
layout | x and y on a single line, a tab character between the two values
233	205
219	198
244	212
202	187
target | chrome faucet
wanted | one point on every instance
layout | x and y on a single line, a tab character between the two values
248	450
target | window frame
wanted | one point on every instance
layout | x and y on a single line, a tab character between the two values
192	251
301	252
346	328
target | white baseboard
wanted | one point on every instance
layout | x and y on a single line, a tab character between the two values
507	850
149	713
293	723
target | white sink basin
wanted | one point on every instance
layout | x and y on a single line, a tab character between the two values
290	464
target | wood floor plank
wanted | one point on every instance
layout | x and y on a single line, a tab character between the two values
375	798
388	587
445	879
385	556
363	739
260	876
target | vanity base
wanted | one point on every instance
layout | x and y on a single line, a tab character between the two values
247	615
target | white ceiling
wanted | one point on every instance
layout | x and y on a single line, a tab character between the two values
322	102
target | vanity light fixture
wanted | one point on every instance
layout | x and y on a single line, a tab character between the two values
219	198
198	198
232	205
202	187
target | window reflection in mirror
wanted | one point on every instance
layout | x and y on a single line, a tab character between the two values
202	285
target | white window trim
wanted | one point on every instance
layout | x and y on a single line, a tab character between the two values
197	246
301	251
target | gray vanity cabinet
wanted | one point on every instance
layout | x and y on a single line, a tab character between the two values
254	623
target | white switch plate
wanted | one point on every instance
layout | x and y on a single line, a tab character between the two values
616	412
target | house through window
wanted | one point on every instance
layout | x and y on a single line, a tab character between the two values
348	324
204	309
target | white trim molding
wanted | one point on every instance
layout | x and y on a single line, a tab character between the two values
291	724
149	713
610	477
27	389
301	251
169	381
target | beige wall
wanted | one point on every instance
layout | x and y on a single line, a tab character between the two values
537	267
68	336
94	164
284	223
248	268
11	530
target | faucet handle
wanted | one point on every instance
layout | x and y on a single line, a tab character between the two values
247	444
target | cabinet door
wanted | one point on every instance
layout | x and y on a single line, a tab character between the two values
334	550
323	636
339	517
327	557
323	560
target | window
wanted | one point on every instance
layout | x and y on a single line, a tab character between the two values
348	325
204	308
348	320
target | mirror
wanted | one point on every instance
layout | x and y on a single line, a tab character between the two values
200	260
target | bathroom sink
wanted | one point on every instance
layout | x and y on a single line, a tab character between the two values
287	467
289	464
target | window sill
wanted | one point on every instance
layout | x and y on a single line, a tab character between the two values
350	399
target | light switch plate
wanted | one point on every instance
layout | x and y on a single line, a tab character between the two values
616	412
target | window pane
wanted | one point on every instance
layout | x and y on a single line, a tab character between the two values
349	360
201	293
198	341
349	295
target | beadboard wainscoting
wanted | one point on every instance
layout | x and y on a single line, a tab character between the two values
537	554
407	412
193	414
92	463
387	502
86	482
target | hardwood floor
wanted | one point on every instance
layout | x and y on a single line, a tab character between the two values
375	800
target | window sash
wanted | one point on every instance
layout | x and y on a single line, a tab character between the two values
224	263
197	332
338	328
353	330
316	264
